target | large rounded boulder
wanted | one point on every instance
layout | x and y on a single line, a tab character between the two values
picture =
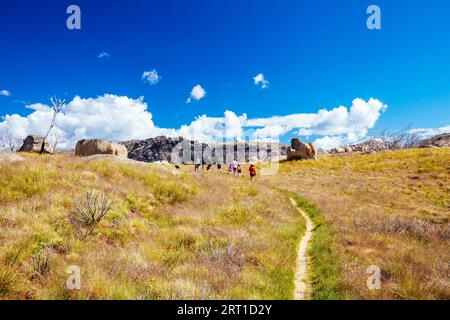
87	148
301	151
34	144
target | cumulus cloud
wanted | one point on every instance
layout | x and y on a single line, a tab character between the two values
103	55
197	94
270	133
152	77
119	118
5	93
338	125
260	80
209	129
429	132
329	142
106	117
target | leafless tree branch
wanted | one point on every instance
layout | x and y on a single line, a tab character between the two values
57	105
400	139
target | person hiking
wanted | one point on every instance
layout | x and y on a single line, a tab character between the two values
230	168
252	171
235	166
198	164
239	170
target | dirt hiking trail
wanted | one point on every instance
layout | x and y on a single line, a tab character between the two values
301	286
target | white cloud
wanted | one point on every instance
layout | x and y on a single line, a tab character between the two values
336	125
120	118
103	55
329	142
106	117
152	77
197	93
270	133
209	129
429	132
261	80
5	93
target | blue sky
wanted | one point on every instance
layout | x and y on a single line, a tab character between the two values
315	54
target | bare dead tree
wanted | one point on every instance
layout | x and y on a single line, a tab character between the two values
9	142
400	139
57	105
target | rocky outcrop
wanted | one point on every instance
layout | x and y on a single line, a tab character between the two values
439	141
34	144
184	151
367	146
10	157
86	148
151	150
301	151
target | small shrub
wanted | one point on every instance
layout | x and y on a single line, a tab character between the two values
416	229
41	261
89	212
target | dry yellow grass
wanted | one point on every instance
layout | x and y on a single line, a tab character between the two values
390	209
180	235
170	234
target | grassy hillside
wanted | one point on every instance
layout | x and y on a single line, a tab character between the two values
390	209
175	234
168	234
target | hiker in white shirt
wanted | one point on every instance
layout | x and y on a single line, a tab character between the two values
235	167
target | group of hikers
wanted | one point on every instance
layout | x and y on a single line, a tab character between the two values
234	168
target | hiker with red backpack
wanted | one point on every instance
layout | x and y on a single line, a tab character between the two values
252	171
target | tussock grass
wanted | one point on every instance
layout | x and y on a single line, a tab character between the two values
7	282
20	182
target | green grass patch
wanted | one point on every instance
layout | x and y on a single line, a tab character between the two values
326	264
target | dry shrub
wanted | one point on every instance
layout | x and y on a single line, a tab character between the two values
89	212
41	261
413	228
416	229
